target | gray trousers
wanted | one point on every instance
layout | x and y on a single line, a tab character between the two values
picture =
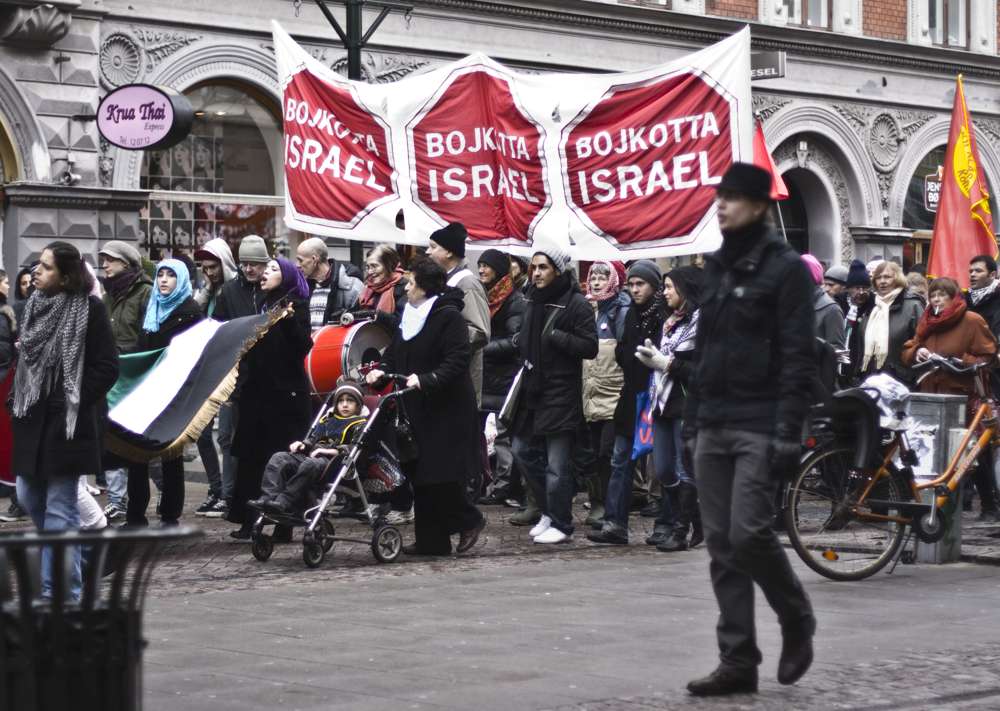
736	492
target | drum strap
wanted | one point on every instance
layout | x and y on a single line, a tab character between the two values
458	276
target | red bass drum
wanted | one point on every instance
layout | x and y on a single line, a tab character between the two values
339	350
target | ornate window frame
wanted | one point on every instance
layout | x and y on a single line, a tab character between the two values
846	15
982	23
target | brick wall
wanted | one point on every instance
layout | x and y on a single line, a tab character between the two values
885	19
743	9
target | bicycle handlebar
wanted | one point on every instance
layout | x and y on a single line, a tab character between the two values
953	365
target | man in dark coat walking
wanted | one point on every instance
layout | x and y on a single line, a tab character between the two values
557	335
644	321
746	406
983	298
500	363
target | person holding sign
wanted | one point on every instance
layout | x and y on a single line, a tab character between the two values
743	421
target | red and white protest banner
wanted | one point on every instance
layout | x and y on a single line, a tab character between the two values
611	166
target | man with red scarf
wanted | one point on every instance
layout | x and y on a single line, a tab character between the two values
500	364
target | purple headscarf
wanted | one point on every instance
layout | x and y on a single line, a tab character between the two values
293	284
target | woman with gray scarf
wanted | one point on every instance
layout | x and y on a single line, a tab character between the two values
67	363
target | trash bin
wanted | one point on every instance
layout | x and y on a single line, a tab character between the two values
56	654
947	414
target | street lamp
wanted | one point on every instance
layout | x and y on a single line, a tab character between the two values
354	39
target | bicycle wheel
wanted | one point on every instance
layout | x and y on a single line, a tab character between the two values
826	533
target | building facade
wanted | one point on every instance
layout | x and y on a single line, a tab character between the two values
858	123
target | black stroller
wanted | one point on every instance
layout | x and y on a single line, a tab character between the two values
370	466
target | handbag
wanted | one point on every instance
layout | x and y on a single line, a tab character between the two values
506	415
642	442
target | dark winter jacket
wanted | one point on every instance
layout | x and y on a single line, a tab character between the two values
184	316
443	411
238	297
989	308
636	374
569	336
904	314
41	450
127	312
500	356
340	289
829	319
756	338
274	406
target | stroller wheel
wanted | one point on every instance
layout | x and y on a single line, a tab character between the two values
327	534
313	553
262	547
387	544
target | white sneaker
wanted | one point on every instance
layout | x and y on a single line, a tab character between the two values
543	525
551	535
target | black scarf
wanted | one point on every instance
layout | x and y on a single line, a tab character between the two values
537	299
650	315
738	243
120	283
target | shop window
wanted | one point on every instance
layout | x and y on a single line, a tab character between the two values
223	180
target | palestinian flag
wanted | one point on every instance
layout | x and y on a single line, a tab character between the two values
164	399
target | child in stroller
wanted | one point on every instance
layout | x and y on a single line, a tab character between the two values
291	476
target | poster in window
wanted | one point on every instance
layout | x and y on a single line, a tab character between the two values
183	211
203	232
159	163
181	185
204	158
204	211
159	233
219	187
183	232
143	232
183	166
219	159
159	209
203	185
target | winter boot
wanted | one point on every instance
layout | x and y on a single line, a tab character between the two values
530	515
659	535
697	534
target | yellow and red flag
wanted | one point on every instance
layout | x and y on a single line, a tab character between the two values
762	159
963	227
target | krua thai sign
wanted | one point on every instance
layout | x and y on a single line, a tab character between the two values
139	117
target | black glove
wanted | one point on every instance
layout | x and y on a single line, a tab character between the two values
556	338
786	451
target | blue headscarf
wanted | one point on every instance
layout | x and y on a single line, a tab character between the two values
160	307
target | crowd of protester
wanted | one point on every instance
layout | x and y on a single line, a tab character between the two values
579	376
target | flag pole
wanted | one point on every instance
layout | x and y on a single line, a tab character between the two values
781	219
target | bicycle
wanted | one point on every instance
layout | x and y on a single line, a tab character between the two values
847	510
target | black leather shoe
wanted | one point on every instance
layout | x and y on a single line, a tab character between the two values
609	535
673	543
796	652
697	536
657	537
723	682
469	538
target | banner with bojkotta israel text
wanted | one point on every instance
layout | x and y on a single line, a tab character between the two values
612	166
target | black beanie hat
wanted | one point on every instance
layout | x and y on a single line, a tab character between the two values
688	281
497	261
857	274
747	179
452	237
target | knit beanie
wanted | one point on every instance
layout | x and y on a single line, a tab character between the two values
837	274
814	267
116	249
350	388
554	253
254	250
688	281
747	179
646	270
452	237
857	275
497	261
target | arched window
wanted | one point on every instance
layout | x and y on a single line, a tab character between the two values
223	180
